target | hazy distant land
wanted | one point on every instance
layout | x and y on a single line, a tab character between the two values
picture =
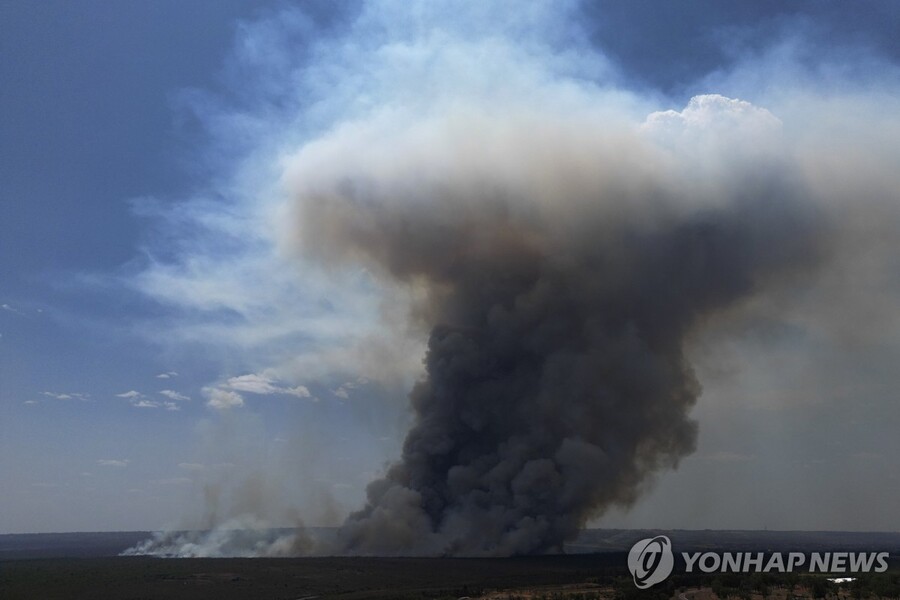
106	544
87	565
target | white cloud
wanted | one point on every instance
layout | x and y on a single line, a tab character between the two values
111	462
173	395
301	391
714	110
255	384
66	395
9	308
30	402
131	394
171	406
167	375
261	384
713	128
343	391
145	404
222	399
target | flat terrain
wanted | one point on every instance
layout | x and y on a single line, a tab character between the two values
85	566
144	578
590	541
579	577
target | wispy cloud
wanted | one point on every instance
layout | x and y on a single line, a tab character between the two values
173	395
66	395
227	394
112	462
343	391
12	309
261	384
139	400
145	404
222	399
167	375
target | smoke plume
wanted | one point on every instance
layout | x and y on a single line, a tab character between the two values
557	241
559	265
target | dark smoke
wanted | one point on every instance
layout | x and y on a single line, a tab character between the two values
556	381
561	241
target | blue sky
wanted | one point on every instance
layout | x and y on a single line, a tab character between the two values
159	338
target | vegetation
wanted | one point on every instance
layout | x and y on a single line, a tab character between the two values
577	577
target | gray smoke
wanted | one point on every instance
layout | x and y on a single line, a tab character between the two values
557	241
558	289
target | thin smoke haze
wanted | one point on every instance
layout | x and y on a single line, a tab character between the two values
556	241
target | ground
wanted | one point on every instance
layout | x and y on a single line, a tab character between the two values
86	566
582	577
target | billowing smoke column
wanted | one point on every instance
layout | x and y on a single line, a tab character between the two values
559	243
559	264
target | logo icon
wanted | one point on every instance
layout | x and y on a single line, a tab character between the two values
650	561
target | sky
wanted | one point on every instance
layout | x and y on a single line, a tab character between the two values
167	359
